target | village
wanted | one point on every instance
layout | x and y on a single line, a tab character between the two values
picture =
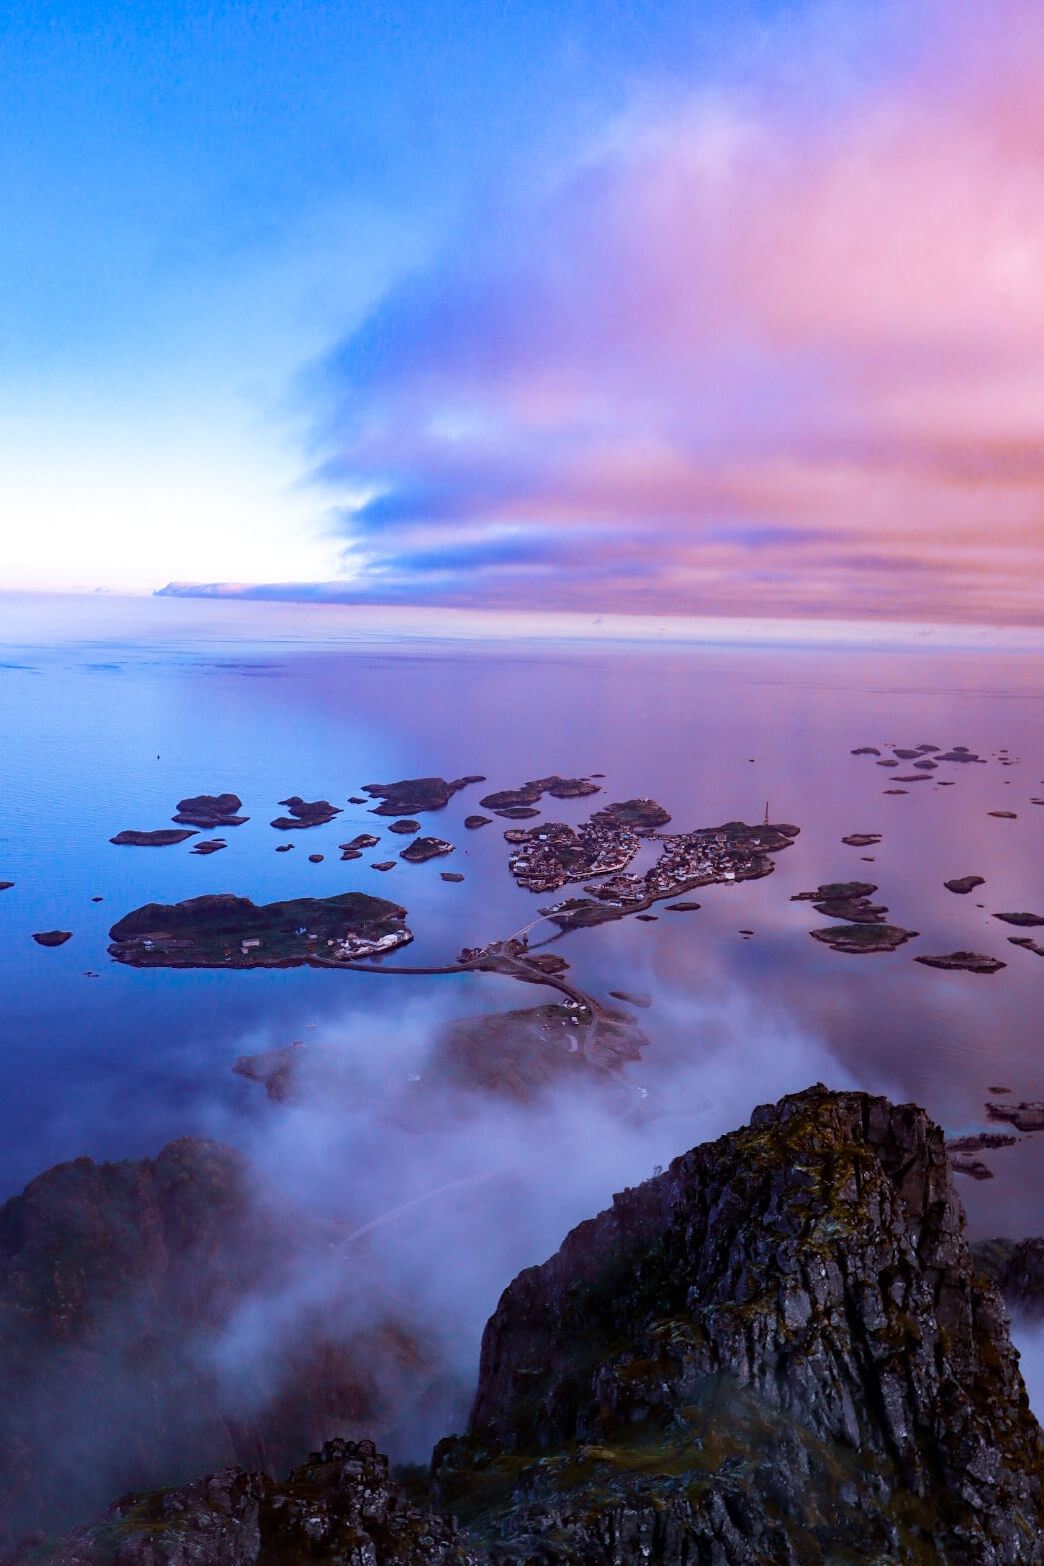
688	860
551	855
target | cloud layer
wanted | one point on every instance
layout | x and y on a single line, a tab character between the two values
761	350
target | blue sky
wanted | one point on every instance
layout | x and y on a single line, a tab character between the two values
200	199
291	294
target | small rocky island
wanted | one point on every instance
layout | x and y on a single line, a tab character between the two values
224	931
411	796
52	937
860	939
305	813
424	848
963	962
512	801
778	1352
210	811
845	900
166	837
963	884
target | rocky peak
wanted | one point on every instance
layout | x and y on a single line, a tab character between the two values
801	1292
778	1351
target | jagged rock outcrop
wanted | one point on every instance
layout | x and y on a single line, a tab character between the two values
159	1317
339	1507
778	1350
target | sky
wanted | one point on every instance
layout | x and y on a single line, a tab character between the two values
721	309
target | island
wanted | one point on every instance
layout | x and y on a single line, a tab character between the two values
474	822
532	793
857	939
410	796
580	913
862	839
520	1054
212	845
305	813
363	840
452	875
964	962
424	848
5	886
637	815
553	854
962	884
642	1000
512	1054
980	1141
1027	943
52	937
845	900
404	827
221	930
164	838
210	811
1027	1116
1003	815
1026	920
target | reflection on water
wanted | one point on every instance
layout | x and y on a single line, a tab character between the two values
109	730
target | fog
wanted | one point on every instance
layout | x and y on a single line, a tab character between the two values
388	1207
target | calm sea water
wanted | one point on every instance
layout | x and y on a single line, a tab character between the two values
110	713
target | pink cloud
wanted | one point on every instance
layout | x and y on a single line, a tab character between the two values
791	359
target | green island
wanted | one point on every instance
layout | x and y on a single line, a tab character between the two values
224	931
859	938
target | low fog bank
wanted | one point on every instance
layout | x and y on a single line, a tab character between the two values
443	1193
387	1205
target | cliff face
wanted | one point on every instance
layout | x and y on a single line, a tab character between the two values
119	1285
776	1352
338	1507
787	1324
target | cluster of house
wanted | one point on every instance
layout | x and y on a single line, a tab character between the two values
687	860
353	946
552	854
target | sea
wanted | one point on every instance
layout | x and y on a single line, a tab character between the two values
111	710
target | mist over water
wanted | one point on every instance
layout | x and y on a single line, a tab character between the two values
430	1197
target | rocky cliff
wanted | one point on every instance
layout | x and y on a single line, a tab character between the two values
776	1352
137	1344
